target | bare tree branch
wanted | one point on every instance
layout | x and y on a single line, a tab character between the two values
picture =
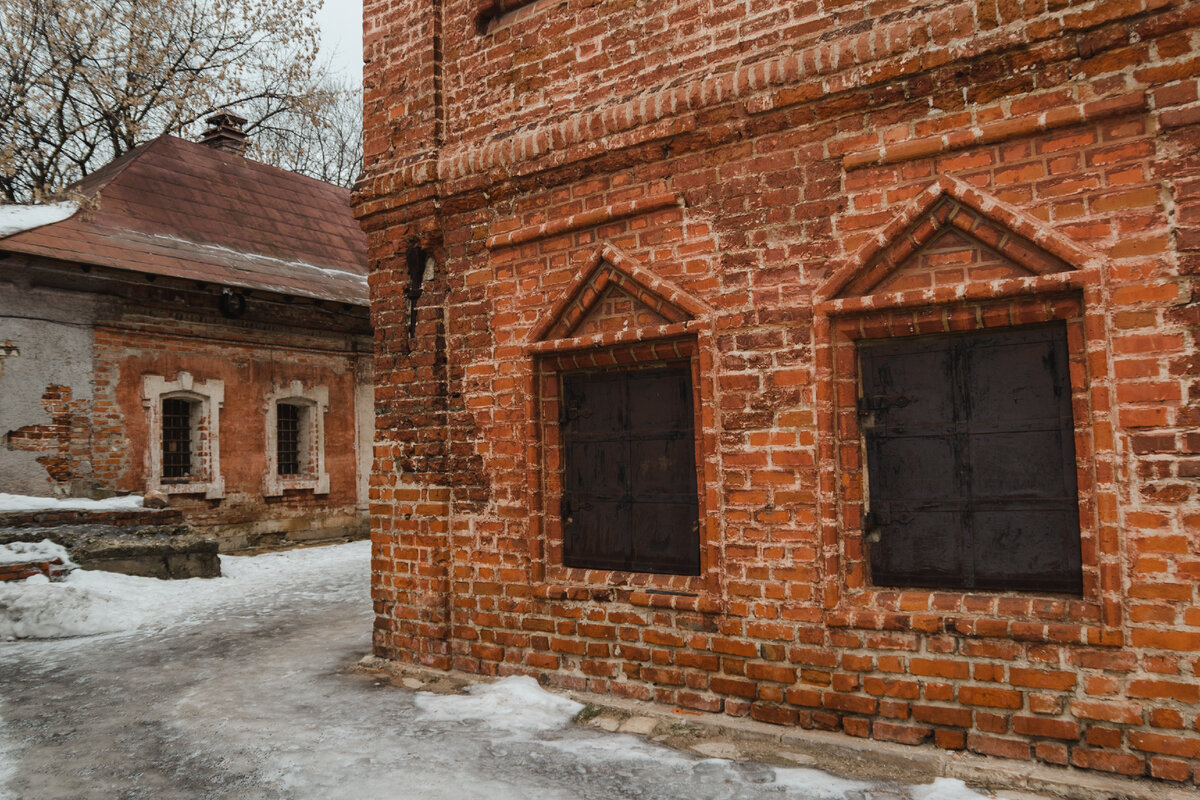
83	81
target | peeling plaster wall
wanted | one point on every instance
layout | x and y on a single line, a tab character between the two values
45	342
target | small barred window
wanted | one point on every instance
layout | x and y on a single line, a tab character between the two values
288	434
176	439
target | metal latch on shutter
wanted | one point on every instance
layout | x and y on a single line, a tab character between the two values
873	523
877	518
880	402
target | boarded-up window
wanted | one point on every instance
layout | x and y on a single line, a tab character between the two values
629	471
971	461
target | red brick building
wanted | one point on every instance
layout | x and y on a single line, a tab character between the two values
831	363
198	328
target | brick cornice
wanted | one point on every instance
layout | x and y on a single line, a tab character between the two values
809	74
816	73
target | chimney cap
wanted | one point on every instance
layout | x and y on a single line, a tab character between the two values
225	132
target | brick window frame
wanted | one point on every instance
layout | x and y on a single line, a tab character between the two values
1070	291
207	398
556	346
314	402
559	579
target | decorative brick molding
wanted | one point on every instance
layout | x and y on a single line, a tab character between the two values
774	84
997	131
315	404
584	219
546	482
653	322
208	396
951	203
609	267
1091	619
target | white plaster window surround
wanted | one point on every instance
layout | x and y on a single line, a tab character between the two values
206	398
312	404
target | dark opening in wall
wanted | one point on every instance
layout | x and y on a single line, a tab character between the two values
176	438
287	423
489	11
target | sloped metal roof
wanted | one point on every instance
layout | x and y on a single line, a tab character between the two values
181	209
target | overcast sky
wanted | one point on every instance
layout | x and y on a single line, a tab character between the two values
341	36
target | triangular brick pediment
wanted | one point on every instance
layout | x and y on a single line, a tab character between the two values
612	294
953	235
950	258
618	310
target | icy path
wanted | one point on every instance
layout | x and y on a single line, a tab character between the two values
244	693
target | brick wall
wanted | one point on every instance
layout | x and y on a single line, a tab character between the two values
757	187
253	362
167	328
64	442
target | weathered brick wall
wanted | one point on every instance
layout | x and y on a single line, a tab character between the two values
254	357
774	176
64	442
97	434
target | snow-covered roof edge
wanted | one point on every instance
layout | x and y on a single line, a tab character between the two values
18	218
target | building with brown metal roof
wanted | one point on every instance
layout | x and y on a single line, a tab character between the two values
198	327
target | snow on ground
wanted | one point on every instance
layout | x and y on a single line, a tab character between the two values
515	704
20	502
821	785
238	687
92	601
25	552
944	789
14	218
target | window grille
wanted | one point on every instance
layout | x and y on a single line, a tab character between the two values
176	439
288	438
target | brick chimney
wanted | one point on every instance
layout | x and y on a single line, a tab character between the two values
225	133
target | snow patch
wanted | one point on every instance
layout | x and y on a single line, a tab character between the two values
16	218
817	784
288	263
84	603
945	789
25	552
20	502
515	704
89	602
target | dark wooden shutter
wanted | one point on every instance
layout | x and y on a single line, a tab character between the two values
629	472
971	461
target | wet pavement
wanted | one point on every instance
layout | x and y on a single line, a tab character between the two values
257	697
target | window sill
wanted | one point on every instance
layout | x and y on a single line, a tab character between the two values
212	490
276	485
644	597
